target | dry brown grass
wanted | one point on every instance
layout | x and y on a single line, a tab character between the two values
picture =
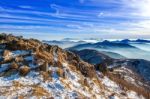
46	76
6	53
17	84
140	90
39	91
66	84
81	81
24	70
58	64
20	97
50	72
19	59
62	56
73	67
86	69
36	90
74	62
14	65
84	82
44	67
45	56
61	72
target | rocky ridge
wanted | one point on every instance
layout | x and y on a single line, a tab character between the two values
31	69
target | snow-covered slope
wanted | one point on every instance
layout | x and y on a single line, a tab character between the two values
133	73
31	69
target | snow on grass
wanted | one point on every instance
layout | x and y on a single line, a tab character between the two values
114	97
57	88
55	75
22	91
19	52
111	86
107	82
16	53
4	67
28	58
3	97
8	55
32	66
73	78
133	95
65	65
33	78
7	81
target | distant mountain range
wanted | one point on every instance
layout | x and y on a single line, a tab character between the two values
103	45
127	48
124	49
133	41
63	43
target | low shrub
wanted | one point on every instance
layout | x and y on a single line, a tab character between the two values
19	59
61	72
140	90
102	67
14	65
44	67
45	75
24	70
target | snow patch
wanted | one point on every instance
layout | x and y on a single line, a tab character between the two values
4	67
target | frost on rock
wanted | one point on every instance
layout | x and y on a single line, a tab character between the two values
19	52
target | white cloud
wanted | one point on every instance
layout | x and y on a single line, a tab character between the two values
100	14
75	26
26	7
141	7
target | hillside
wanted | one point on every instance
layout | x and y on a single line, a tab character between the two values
132	73
31	69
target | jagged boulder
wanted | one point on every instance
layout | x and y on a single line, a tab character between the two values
24	70
19	59
45	75
7	55
86	69
44	67
102	67
14	65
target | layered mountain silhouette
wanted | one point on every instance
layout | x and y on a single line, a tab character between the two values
127	50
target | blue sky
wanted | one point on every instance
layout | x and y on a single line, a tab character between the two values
56	19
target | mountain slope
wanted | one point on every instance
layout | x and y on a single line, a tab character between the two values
31	69
133	72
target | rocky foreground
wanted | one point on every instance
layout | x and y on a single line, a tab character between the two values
31	69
